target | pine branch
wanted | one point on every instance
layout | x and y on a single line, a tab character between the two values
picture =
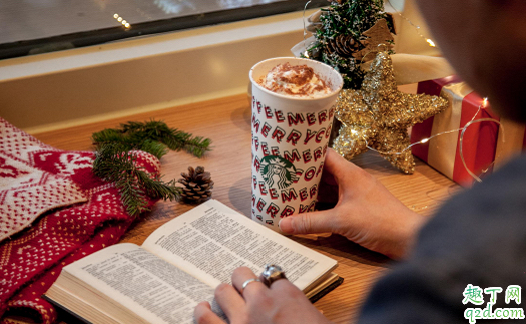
132	197
113	163
153	137
172	137
156	188
197	146
155	148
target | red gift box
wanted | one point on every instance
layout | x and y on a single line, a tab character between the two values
485	145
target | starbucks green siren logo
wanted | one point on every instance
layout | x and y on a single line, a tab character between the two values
275	169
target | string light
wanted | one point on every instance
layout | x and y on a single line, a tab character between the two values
428	40
306	54
121	20
484	104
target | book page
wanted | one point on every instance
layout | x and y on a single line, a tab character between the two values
211	240
142	282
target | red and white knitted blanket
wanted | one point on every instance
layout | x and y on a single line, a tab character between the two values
53	211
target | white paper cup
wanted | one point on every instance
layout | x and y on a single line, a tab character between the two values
290	136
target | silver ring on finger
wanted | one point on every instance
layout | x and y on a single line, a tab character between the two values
245	284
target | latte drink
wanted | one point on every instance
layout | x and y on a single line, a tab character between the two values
292	112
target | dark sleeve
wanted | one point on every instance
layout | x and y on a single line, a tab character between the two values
478	238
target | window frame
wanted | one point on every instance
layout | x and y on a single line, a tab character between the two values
105	35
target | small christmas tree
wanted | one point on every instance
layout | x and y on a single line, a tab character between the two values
350	30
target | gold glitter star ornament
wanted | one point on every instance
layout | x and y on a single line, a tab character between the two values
378	116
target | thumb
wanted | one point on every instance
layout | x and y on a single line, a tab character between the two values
309	223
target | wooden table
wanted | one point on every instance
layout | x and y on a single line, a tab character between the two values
227	122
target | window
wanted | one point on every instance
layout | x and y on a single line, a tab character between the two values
38	26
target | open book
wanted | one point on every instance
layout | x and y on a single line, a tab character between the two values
179	265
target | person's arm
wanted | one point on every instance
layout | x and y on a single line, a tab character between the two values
366	212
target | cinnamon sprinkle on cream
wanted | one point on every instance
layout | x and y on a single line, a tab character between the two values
295	80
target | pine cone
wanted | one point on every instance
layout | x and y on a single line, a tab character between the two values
343	45
197	185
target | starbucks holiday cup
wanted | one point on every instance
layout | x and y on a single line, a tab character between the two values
290	136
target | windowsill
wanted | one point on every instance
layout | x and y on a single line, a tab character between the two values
68	88
63	89
130	49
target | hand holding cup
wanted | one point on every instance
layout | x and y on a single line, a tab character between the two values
292	114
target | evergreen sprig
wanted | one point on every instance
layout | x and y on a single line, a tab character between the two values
115	163
350	18
154	137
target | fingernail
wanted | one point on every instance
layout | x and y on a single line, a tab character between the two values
286	225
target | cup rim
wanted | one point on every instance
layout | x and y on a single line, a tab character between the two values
332	93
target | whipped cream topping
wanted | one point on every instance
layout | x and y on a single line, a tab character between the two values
295	80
